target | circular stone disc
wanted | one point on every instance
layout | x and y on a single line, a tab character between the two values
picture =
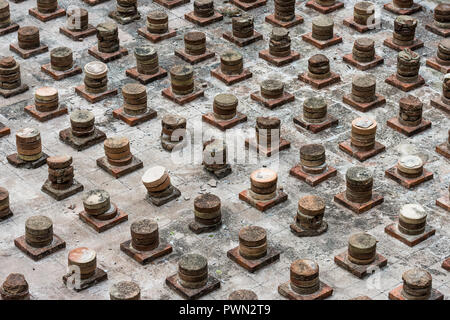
226	99
26	133
82	255
280	32
84	116
253	234
182	70
173	121
46	92
193	263
243	295
264	175
315	103
59	161
15	283
417	277
194	36
318	60
157	15
231	56
3	4
7	62
407	20
312	150
410	162
107	26
145	51
363	80
305	268
4	194
28	31
39	223
412	211
362	241
95	68
323	21
96	197
364	123
144	226
61	52
207	201
116	142
358	174
272	85
125	290
154	174
134	88
312	203
365	42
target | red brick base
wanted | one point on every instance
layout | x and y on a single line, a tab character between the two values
94	2
406	130
58	194
444	202
251	143
192	294
194	59
320	83
181	100
13	27
106	57
59	75
389	42
444	150
409	240
347	147
284	24
24	53
134	120
203	21
171	4
324	292
273	103
279	61
7	93
100	225
199	228
408	182
316	127
39	253
402	11
44	17
302	232
439	31
99	276
436	65
446	264
78	35
145	78
242	42
360	270
15	161
263	205
4	131
249	5
117	171
312	179
94	97
156	37
45	116
231	79
321	44
81	143
361	28
115	15
363	66
396	294
406	87
322	9
224	124
364	106
438	103
252	266
358	207
145	257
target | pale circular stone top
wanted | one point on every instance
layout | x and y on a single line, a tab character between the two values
272	85
243	295
252	234
116	142
323	21
364	80
107	27
124	290
3	4
82	255
406	20
363	122
312	203
61	52
134	88
231	56
95	197
144	51
96	68
144	226
418	278
264	175
82	116
28	133
305	268
154	174
411	162
413	211
46	92
39	223
315	103
362	241
193	262
182	70
359	174
226	99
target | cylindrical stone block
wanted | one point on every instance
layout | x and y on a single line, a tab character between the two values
315	110
77	19
268	131
193	271
125	290
182	79
47	6
319	67
242	27
126	8
82	123
117	151
404	4
408	65
9	73
207	209
304	275
410	166
61	58
410	113
204	8
46	99
231	63
443	52
284	10
28	38
5	14
96	77
263	184
157	22
280	42
60	172
157	182
322	28
311	210
135	99
144	235
404	30
412	219
83	262
364	50
225	106
362	248
173	130
29	145
195	43
147	61
364	88
39	231
364	13
215	155
97	203
108	37
442	16
272	89
359	182
252	242
15	287
313	159
363	133
4	203
417	284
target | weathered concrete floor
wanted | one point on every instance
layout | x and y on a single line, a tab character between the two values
44	276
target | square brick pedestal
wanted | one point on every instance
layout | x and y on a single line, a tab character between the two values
360	270
324	292
358	207
15	161
279	61
118	172
61	194
321	44
242	42
347	147
13	27
224	124
406	130
319	83
363	66
438	103
124	20
27	53
444	202
59	75
361	28
194	59
156	37
94	97
435	64
192	294
273	103
364	106
408	182
389	42
103	225
396	294
439	31
4	130
402	11
106	57
316	127
39	253
171	3
446	264
99	276
134	120
268	152
45	116
145	78
406	87
44	17
443	149
203	21
263	205
409	240
78	35
249	5
94	2
81	143
199	228
8	93
181	100
284	24
312	179
272	256
145	257
322	9
231	79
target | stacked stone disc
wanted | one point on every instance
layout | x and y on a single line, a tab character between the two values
325	3
359	182
446	89
412	219
157	182
252	242
4	203
207	209
322	28
95	77
417	284
173	130
410	166
39	231
364	88
242	26
127	8
363	133
46	99
280	42
83	261
144	235
362	248
272	89
403	3
443	52
231	63
315	110
61	59
28	38
60	172
364	13
108	37
117	151
193	271
304	276
410	111
243	295
404	30
29	144
15	287
225	106
146	60
204	8
263	184
195	43
215	155
125	290
408	65
442	16
268	131
284	10
10	77
82	123
77	19
157	22
364	50
313	159
311	210
97	204
47	6
182	79
319	67
135	99
5	14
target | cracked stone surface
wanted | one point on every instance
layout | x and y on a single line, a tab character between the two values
44	277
